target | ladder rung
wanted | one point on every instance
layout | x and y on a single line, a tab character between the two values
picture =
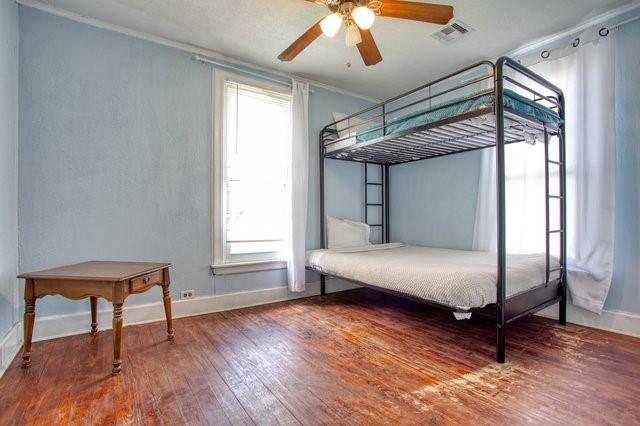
556	196
374	204
373	183
555	231
374	224
559	268
559	163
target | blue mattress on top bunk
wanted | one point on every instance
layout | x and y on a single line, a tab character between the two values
512	100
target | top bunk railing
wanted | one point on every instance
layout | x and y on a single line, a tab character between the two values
523	80
379	123
378	117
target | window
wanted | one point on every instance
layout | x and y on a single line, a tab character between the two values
525	196
252	143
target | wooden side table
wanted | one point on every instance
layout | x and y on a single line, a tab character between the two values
113	281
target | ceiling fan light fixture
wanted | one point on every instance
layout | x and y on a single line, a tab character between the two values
358	16
363	17
353	35
331	24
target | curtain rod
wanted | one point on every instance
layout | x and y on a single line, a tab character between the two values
579	41
209	61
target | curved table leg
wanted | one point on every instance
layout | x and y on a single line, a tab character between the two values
166	298
117	337
29	318
94	315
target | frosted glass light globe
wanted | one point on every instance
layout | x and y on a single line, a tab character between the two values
331	24
363	16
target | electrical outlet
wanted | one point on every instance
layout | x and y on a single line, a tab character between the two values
187	294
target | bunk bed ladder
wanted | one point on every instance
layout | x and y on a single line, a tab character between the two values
559	166
381	202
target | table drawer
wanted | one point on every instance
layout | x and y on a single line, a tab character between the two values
143	282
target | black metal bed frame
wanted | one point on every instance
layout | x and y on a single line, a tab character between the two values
456	134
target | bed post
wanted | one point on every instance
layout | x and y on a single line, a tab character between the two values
563	217
385	219
500	186
323	277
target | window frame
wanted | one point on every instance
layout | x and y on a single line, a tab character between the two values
220	264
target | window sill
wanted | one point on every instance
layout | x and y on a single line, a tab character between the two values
243	267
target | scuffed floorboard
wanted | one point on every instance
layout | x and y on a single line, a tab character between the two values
357	357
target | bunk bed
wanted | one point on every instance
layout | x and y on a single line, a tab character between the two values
483	105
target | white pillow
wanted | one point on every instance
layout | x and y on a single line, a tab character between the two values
350	127
343	233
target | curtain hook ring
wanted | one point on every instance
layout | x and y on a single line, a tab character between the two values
545	54
576	42
603	32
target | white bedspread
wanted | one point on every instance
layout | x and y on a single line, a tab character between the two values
456	278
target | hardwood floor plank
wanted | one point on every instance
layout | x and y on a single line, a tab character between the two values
216	400
345	346
291	392
386	402
435	366
17	380
311	369
258	401
82	390
295	363
175	402
356	357
103	400
139	369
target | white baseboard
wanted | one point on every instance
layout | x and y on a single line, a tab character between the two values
54	326
617	321
10	346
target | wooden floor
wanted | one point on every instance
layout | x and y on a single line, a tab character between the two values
355	357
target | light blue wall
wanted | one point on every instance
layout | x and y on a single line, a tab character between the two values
433	202
8	164
625	289
115	148
343	180
115	156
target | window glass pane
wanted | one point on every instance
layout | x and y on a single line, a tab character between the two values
257	141
525	196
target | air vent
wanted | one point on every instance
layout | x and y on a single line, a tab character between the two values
453	31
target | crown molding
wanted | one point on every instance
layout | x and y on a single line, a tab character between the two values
186	47
545	41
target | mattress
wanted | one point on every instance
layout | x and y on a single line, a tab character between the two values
459	279
512	101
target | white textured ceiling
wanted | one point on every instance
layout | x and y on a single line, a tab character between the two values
257	31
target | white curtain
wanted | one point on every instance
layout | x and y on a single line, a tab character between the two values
587	78
299	176
484	230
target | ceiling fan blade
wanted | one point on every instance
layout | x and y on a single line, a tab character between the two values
423	12
301	43
368	48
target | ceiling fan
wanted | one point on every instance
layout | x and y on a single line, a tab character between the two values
358	16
